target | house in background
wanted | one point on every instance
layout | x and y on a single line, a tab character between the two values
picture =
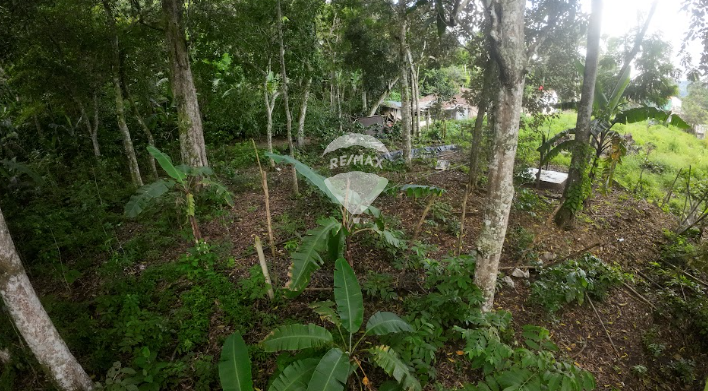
456	108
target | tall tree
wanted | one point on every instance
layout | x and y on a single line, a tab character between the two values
509	52
32	320
582	152
120	102
286	97
191	134
405	84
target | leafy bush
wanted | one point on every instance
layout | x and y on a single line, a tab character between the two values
572	280
380	285
534	367
331	369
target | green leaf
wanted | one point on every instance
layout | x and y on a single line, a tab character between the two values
166	164
388	360
347	295
235	365
307	258
304	170
325	309
386	322
220	189
295	376
417	191
296	337
145	194
331	372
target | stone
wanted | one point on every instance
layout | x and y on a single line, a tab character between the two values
508	281
550	180
518	273
547	256
442	165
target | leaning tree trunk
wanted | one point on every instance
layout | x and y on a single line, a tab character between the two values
405	88
383	96
120	103
582	152
477	132
90	130
303	114
286	99
143	126
32	321
191	134
508	47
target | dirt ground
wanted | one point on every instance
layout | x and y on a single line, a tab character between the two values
617	228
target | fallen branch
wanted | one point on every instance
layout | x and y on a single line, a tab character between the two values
599	318
644	299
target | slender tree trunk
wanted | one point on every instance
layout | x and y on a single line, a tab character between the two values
477	132
383	96
120	104
144	127
191	134
90	130
286	100
364	103
303	114
509	51
32	321
270	105
405	87
582	151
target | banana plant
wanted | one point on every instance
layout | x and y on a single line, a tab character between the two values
329	240
185	180
328	360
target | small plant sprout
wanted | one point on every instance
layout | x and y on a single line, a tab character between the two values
186	180
420	191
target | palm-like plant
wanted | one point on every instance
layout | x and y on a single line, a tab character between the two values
328	241
330	360
185	179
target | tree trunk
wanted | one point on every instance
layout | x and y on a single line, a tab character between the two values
582	152
508	46
143	126
270	105
383	96
405	88
477	132
286	100
303	113
191	134
32	321
120	104
90	130
364	103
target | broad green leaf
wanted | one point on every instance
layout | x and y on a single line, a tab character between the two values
617	94
11	165
331	372
220	189
418	191
295	376
386	322
325	309
296	337
304	170
166	164
336	244
235	365
388	360
145	194
347	295
307	258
